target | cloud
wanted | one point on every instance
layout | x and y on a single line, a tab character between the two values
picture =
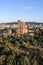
27	7
7	20
35	20
24	19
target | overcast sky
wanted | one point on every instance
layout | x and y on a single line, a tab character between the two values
28	10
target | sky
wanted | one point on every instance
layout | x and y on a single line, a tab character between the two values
27	10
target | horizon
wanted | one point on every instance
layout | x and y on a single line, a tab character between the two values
27	10
22	20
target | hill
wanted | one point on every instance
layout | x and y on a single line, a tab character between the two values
32	23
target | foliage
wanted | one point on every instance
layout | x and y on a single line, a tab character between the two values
13	48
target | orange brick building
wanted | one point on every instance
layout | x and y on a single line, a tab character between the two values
22	28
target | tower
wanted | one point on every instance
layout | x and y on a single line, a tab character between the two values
22	28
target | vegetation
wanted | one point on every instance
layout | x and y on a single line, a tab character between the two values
22	49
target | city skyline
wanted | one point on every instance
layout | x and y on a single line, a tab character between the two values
28	10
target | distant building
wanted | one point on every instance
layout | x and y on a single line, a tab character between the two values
22	27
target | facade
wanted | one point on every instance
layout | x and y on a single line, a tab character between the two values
22	28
